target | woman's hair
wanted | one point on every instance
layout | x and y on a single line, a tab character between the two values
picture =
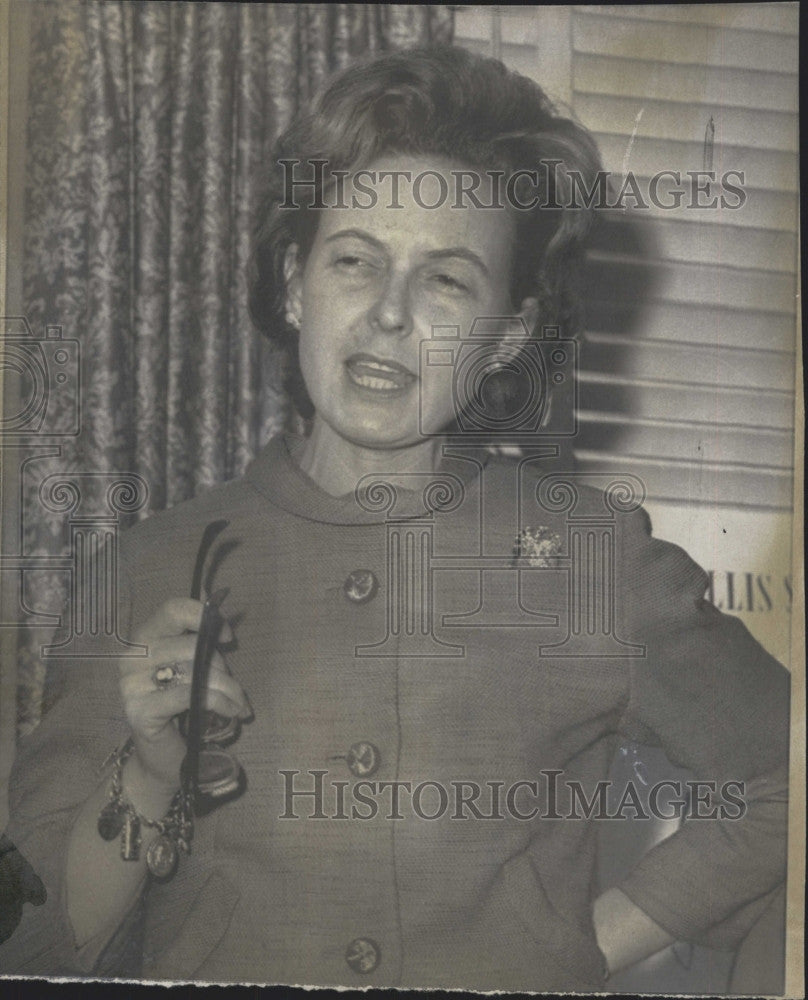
441	101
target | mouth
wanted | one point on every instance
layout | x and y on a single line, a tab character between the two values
377	374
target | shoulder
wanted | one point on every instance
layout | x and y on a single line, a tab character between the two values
552	491
173	529
158	557
557	487
602	509
173	535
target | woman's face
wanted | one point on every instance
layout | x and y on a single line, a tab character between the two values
372	288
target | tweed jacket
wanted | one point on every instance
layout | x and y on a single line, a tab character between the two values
393	636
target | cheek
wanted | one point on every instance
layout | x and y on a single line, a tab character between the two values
329	307
313	356
437	390
316	356
433	314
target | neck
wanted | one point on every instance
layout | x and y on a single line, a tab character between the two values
337	465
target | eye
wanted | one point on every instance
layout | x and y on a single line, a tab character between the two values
354	267
450	283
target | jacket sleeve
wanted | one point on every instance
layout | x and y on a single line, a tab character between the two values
718	704
56	769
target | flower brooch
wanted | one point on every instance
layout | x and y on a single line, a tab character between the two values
538	547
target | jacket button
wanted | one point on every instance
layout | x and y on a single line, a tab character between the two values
363	759
363	955
360	586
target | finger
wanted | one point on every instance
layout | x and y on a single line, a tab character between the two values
218	702
174	616
229	687
161	651
177	652
157	706
182	650
217	662
138	687
165	649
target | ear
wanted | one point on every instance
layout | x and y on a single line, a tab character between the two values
293	277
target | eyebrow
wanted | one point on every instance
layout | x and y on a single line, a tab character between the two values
461	253
357	234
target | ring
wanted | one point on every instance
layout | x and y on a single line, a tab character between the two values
167	675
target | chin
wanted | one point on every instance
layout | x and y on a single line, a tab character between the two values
383	439
367	433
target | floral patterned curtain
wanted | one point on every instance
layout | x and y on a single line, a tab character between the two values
150	127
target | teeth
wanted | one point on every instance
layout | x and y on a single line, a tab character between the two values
372	374
378	366
374	383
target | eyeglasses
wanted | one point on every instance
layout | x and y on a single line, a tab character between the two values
209	774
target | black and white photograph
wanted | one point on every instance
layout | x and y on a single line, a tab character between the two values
401	494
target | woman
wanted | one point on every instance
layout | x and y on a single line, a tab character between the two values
422	702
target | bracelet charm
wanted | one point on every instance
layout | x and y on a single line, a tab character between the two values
120	818
162	857
130	836
110	821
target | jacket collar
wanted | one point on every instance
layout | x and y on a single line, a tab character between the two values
275	473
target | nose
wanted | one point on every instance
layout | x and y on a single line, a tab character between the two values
391	312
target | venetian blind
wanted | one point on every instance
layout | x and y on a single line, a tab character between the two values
687	372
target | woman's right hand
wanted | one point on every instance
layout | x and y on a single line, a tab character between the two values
170	637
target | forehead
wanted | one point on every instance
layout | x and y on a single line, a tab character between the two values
420	202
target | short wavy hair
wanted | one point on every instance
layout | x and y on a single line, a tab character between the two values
443	101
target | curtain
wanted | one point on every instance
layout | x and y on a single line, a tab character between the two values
150	127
